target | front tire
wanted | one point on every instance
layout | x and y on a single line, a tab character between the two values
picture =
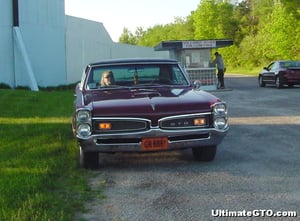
204	153
88	160
261	83
278	83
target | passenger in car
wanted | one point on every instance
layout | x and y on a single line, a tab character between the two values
107	79
165	75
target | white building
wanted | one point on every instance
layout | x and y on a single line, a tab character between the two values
41	46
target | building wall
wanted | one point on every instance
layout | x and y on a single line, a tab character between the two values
88	41
42	26
6	43
49	48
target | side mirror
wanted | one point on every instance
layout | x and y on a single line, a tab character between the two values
197	84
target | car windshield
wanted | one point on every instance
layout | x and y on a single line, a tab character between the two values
135	75
289	64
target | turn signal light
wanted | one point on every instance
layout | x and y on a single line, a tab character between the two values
105	126
199	121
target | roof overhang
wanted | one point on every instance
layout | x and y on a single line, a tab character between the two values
195	44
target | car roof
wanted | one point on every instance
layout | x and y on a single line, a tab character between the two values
133	60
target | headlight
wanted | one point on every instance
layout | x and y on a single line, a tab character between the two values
84	122
83	116
220	123
84	130
220	108
220	116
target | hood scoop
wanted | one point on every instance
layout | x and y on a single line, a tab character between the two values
145	93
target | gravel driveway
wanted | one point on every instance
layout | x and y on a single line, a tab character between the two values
256	169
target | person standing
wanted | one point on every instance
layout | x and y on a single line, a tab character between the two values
221	69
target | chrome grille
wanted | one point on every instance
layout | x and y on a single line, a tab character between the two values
183	122
119	125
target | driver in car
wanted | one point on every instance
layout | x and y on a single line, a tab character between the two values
107	79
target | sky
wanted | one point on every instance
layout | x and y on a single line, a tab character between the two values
117	14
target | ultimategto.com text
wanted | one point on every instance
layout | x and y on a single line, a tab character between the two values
252	213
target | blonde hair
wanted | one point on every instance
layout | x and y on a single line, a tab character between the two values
105	74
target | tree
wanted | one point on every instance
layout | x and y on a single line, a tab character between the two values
292	6
278	37
214	19
246	22
152	36
180	29
262	30
205	20
127	37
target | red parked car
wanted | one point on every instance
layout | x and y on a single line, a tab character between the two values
280	73
145	105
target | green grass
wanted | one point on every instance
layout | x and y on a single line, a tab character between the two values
252	71
39	178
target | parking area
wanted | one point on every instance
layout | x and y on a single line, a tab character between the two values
256	167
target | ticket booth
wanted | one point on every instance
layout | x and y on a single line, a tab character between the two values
195	56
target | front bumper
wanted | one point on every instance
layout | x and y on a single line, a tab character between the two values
132	142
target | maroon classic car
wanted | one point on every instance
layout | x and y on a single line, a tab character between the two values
280	73
144	105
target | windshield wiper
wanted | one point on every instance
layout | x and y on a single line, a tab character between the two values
145	85
114	87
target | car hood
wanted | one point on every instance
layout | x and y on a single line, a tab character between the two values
148	103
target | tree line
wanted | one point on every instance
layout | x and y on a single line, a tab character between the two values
262	30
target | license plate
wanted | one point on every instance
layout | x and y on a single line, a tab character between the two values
152	144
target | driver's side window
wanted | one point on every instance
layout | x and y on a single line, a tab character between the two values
271	67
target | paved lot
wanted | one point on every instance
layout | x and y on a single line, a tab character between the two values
256	167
